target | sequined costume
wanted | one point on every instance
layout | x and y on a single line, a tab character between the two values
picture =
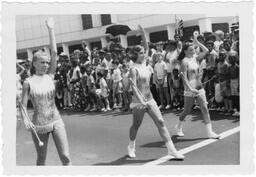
42	94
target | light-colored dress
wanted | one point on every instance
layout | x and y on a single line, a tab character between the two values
46	117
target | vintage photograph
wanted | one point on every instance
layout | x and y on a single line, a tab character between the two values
127	89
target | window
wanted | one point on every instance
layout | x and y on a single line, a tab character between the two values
158	36
220	26
188	32
59	50
96	44
105	19
87	21
72	48
133	40
22	55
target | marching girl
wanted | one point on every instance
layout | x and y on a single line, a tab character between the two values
41	90
193	89
143	101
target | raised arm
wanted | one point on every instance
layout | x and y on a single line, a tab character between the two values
144	39
200	45
53	47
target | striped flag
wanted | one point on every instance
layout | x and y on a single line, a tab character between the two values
180	28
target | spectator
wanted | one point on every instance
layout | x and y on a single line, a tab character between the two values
234	83
160	72
117	85
104	92
222	70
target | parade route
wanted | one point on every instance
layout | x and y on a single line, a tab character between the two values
102	139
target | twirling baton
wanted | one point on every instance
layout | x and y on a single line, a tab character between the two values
40	143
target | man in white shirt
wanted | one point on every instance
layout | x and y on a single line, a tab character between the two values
170	58
160	74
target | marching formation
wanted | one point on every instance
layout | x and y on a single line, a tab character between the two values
175	74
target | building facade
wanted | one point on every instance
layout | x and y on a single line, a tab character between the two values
71	30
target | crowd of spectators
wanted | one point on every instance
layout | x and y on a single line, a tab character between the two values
97	79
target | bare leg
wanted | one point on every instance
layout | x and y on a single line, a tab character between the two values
206	116
204	109
188	104
61	142
41	150
156	115
138	115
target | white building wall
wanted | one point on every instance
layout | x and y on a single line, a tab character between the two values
31	31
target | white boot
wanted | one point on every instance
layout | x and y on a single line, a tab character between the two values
172	150
131	149
210	133
178	129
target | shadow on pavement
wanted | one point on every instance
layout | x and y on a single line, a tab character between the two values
177	139
114	113
124	160
215	116
158	144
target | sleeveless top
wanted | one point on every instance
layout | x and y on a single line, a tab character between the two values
193	76
42	95
143	76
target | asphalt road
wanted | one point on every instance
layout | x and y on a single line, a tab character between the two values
102	139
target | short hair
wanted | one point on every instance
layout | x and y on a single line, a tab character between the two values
36	55
134	52
82	68
100	74
125	65
200	37
232	56
219	33
171	43
115	62
158	54
222	52
175	70
209	42
226	41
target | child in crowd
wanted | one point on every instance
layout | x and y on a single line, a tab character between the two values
127	90
234	83
177	89
90	82
117	85
104	92
59	95
160	73
64	82
84	85
223	75
228	49
219	40
77	94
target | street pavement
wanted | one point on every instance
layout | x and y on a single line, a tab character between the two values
101	139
